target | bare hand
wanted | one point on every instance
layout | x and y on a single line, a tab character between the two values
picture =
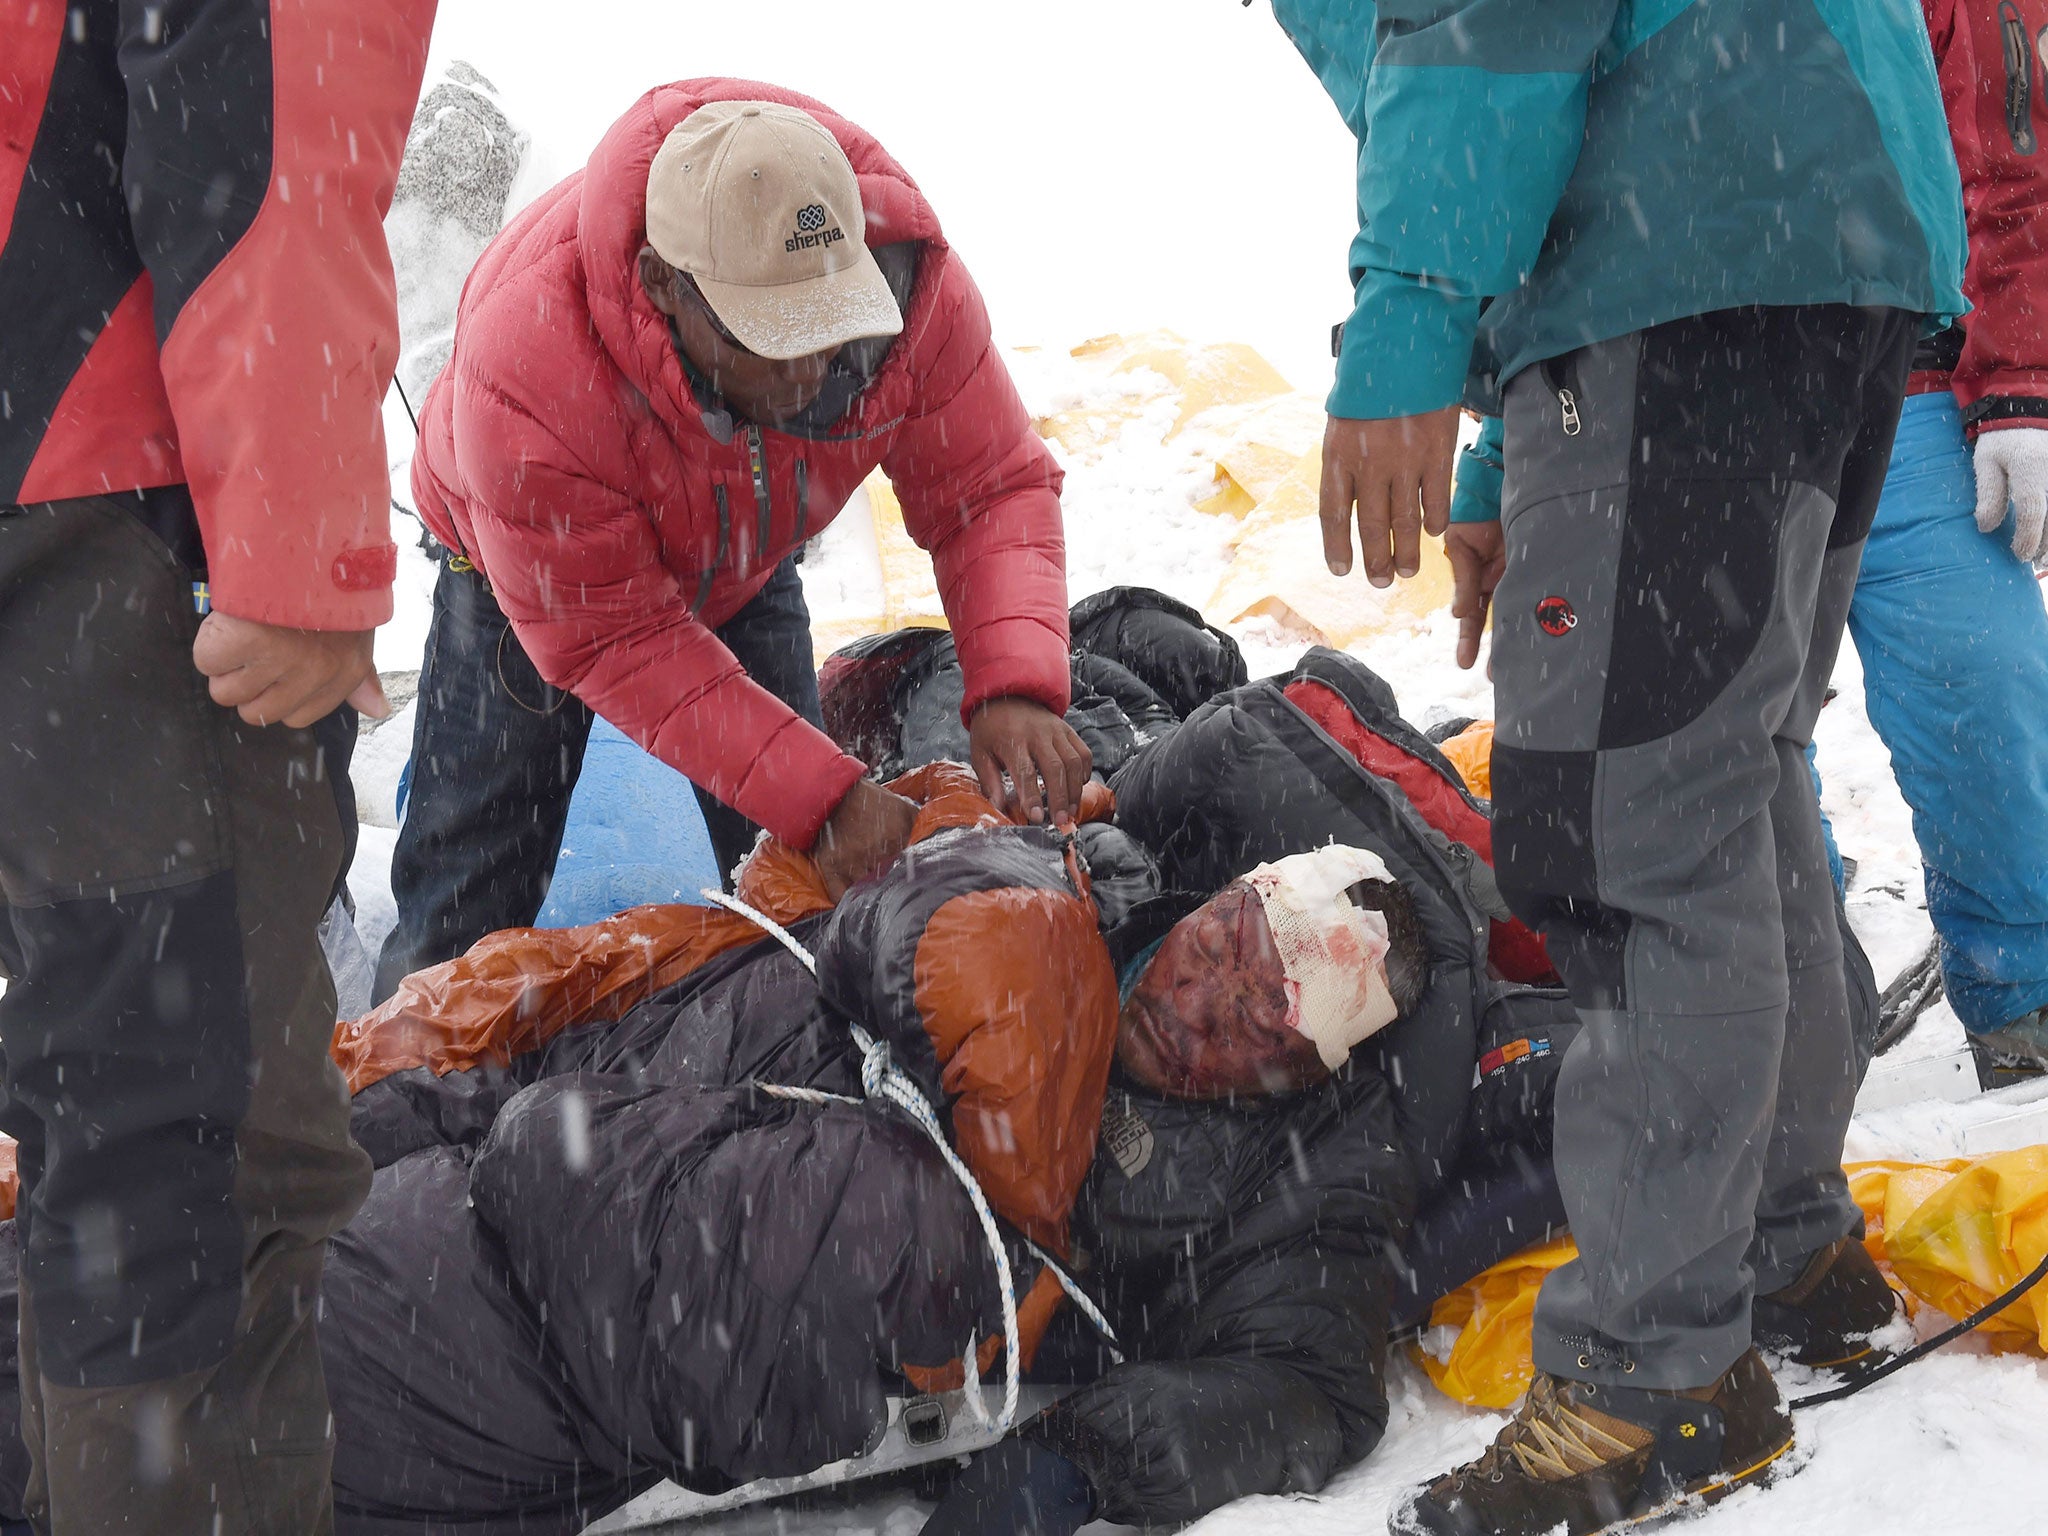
272	675
1398	473
863	836
1047	762
1478	553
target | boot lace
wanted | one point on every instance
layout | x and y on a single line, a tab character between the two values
1548	1440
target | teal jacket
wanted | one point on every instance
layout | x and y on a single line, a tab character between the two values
1536	175
1482	467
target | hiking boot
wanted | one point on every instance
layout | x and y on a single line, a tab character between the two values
1590	1458
1824	1319
2014	1054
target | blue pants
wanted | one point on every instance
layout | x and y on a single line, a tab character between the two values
1954	641
495	757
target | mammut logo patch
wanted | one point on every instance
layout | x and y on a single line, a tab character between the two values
1127	1139
811	230
1554	616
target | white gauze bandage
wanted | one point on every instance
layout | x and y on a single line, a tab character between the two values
1333	953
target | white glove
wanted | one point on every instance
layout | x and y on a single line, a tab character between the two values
2012	466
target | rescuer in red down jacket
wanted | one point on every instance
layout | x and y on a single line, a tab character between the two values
669	373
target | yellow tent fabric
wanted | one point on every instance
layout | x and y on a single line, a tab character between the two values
910	592
1262	436
828	635
1267	454
1981	1231
1163	366
1260	446
1488	1364
1952	1235
1236	405
1277	571
1471	753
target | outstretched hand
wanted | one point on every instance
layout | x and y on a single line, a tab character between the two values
277	676
1046	761
1397	473
1478	555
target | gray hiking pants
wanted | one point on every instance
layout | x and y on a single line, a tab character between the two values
184	1134
1684	517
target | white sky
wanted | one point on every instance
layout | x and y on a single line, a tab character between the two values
1055	140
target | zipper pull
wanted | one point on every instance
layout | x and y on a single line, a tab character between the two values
1566	399
764	508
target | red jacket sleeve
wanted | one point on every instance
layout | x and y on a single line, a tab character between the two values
275	305
625	643
980	491
1995	88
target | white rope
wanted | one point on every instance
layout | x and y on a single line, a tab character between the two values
895	1086
1080	1299
880	1079
970	1385
766	924
804	1095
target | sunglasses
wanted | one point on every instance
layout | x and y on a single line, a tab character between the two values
688	284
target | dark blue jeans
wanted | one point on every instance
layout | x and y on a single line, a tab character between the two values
495	757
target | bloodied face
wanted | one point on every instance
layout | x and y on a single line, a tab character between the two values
1209	1019
1268	986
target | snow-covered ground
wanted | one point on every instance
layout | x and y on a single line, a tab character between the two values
1172	163
1961	1441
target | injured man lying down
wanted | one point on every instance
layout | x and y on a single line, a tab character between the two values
656	1198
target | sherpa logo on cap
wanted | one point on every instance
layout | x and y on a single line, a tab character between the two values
811	231
758	204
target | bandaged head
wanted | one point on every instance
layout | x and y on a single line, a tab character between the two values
1269	985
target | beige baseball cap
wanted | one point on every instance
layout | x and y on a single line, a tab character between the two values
758	203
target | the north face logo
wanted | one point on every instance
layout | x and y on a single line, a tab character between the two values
811	230
1127	1138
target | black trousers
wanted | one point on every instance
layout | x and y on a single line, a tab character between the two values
496	754
183	1133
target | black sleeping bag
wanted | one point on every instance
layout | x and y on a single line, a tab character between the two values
1245	1252
612	1259
1141	661
627	1262
1249	778
1168	646
894	702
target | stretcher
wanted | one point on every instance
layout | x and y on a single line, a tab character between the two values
920	1431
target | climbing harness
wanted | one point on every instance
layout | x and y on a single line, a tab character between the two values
881	1078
